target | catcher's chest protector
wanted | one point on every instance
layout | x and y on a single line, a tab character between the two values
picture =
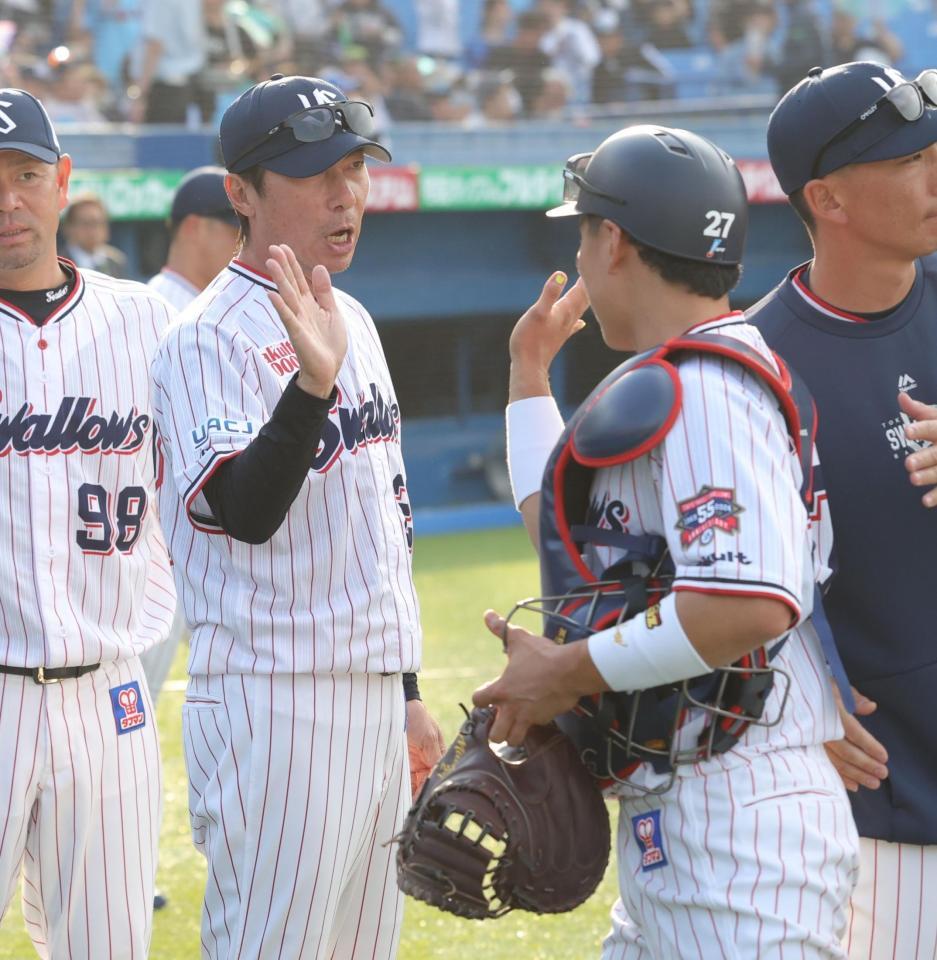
626	416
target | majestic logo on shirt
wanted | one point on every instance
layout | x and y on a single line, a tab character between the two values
281	358
713	508
373	420
647	832
74	426
608	514
127	704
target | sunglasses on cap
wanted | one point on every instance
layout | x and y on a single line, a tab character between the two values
574	181
909	98
312	124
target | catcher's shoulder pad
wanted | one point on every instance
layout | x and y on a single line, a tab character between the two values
626	416
630	416
632	411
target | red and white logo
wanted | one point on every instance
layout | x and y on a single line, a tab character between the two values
281	358
129	713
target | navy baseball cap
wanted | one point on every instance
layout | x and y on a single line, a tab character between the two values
838	116
264	127
25	126
201	192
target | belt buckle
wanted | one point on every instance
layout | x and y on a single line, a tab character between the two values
40	677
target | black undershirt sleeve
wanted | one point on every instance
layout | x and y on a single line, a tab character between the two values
411	689
250	494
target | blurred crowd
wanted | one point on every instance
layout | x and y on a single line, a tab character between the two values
183	61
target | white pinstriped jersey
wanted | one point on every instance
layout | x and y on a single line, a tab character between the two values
173	287
84	574
332	590
723	488
158	660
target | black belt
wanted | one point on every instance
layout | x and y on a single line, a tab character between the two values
50	674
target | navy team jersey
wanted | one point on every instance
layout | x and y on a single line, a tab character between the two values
882	603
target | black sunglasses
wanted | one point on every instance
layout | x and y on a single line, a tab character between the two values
574	181
312	124
910	99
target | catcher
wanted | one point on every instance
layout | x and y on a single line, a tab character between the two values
676	497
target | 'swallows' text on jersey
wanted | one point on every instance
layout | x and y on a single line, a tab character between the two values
73	426
372	421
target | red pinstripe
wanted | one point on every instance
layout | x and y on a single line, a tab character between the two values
302	843
340	796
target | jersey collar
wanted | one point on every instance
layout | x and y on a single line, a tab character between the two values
714	323
63	309
180	280
249	273
799	284
805	304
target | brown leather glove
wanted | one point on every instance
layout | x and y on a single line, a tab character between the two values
489	834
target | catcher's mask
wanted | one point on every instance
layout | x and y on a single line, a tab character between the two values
627	415
617	732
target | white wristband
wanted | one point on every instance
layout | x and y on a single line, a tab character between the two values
646	651
533	427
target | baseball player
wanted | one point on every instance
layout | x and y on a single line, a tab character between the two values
86	585
855	148
289	523
203	231
751	852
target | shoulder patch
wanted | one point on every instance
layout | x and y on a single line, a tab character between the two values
712	509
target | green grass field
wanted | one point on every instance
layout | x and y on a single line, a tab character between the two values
457	577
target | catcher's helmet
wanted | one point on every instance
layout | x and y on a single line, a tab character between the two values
670	189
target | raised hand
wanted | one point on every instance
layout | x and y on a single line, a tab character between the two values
312	319
541	332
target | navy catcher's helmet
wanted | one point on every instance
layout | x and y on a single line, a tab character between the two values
670	189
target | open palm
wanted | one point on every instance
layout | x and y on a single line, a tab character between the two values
312	318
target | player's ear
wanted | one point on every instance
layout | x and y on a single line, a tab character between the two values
63	170
823	200
239	194
618	245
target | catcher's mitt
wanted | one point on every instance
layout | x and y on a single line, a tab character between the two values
488	834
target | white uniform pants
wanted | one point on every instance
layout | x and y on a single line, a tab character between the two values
755	862
893	912
297	783
80	809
